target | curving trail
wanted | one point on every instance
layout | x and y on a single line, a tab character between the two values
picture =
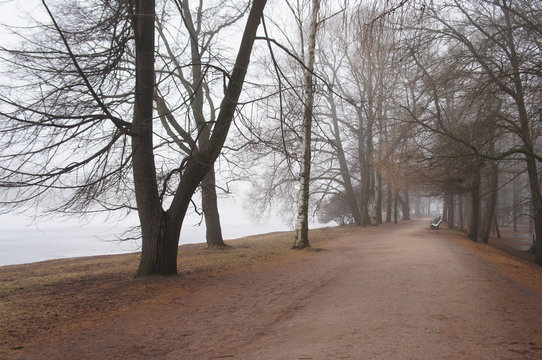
392	292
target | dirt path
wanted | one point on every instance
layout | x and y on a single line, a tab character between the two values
402	292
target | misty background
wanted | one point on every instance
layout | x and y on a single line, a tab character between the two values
25	239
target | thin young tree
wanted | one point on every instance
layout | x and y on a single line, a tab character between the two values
302	224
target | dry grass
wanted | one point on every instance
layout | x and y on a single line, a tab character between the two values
62	295
525	272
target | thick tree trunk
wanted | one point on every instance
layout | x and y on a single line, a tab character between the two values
532	172
363	155
405	206
366	177
302	225
159	248
475	205
496	226
536	199
210	211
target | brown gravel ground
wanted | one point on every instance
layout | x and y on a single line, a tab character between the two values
392	292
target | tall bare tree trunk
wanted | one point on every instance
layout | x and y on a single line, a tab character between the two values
366	178
210	211
302	225
496	226
158	255
405	206
365	192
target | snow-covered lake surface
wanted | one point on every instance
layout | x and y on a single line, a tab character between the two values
24	239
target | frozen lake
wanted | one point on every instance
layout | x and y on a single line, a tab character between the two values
24	240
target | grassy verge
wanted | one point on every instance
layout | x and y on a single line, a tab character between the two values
525	272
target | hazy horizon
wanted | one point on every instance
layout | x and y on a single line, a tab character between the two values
24	239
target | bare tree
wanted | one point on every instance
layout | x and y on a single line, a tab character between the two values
195	82
498	31
302	224
81	104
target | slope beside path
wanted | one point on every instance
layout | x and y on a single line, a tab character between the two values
392	292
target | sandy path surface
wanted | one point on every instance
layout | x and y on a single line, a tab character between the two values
394	292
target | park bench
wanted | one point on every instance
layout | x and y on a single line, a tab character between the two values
435	224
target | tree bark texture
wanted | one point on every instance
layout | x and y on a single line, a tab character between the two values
363	155
161	229
365	186
210	211
496	225
302	225
159	255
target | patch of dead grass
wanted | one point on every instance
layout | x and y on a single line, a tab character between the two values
58	296
527	273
